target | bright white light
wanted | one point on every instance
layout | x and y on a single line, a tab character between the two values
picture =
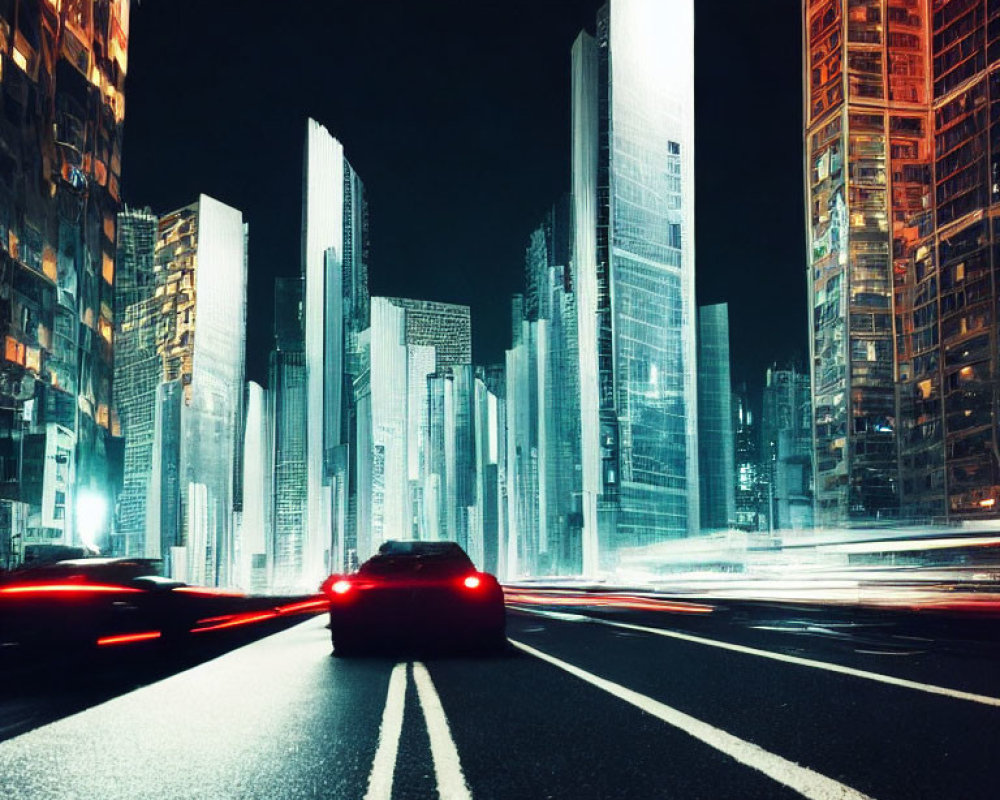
91	512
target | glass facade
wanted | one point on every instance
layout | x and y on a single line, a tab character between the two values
61	115
137	374
180	370
716	448
866	152
786	448
288	390
946	327
201	286
633	173
415	426
543	388
335	272
256	515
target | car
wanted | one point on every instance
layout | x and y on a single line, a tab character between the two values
416	593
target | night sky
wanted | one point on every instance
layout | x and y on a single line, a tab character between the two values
456	115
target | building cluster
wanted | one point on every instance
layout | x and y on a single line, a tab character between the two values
612	426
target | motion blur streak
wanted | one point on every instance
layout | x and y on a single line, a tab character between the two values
801	779
205	591
127	638
65	588
234	621
317	605
631	602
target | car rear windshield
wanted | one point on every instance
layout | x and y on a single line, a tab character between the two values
437	565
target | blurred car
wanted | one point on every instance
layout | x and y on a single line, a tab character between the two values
416	593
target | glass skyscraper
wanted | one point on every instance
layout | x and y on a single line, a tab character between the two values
786	448
867	146
901	186
415	399
716	446
946	322
633	274
335	271
201	334
288	389
62	108
138	372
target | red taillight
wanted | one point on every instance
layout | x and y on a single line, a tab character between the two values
472	582
341	587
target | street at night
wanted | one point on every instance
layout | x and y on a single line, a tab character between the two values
742	702
578	399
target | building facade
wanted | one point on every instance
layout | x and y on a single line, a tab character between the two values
288	389
138	371
866	151
901	188
335	273
946	321
180	371
63	71
633	275
416	447
542	388
716	446
786	448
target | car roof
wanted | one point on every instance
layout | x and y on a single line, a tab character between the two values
410	547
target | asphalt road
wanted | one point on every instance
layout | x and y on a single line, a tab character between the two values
744	703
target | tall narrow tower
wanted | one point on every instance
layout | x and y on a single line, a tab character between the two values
335	270
633	271
867	151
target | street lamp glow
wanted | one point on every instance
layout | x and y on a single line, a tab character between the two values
91	512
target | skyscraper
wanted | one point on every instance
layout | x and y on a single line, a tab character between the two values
716	447
63	69
416	447
335	270
288	389
198	313
256	515
867	146
543	390
786	448
138	371
946	316
633	274
751	487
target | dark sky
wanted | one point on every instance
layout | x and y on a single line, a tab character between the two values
456	115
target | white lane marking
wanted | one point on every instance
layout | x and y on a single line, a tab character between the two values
384	765
956	694
801	779
447	767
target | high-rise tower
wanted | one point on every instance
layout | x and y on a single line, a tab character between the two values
62	109
335	270
867	150
633	274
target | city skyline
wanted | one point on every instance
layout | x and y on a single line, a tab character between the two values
419	181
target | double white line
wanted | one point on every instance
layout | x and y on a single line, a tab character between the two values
447	767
